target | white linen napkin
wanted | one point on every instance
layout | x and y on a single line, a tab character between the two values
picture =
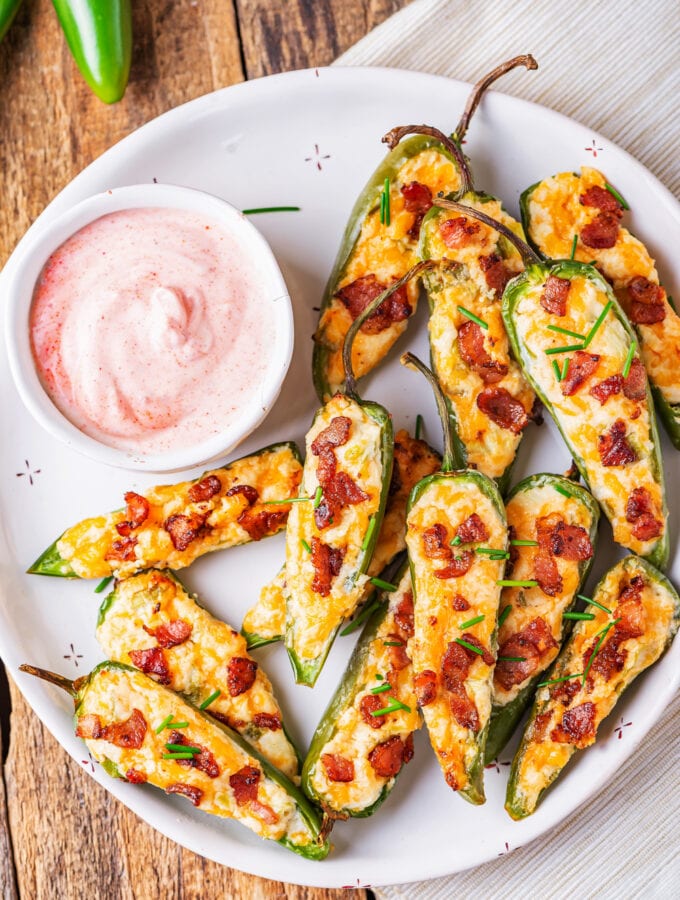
615	66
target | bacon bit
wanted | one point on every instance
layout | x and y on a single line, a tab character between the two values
560	539
647	306
262	523
371	703
451	780
457	566
532	643
486	656
472	530
137	512
434	542
474	354
408	749
203	761
540	725
601	199
250	493
581	367
459	603
565	691
463	709
456	665
170	634
360	293
546	574
327	562
128	734
554	296
241	673
635	386
399	658
271	721
89	726
403	617
418	200
186	790
602	232
503	409
613	446
266	813
206	489
337	767
134	776
388	758
123	550
607	388
244	784
151	662
577	726
458	232
496	274
640	511
334	435
184	529
342	491
425	687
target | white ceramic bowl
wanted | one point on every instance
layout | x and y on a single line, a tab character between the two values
43	239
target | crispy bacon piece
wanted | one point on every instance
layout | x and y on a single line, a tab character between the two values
565	691
418	200
128	734
613	446
122	550
262	523
388	758
134	776
408	749
547	574
472	530
369	704
486	656
265	812
186	790
399	658
540	725
458	232
151	662
603	390
529	645
357	295
635	385
425	686
610	658
206	489
341	491
495	272
170	634
601	199
404	614
241	673
89	726
474	354
184	529
327	562
554	296
336	434
250	493
602	232
203	761
641	512
503	409
244	784
435	545
459	603
456	664
137	512
337	767
577	726
647	306
463	708
560	539
581	367
457	566
270	721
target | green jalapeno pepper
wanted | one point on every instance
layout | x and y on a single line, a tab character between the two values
219	771
8	9
633	615
552	523
579	353
456	534
578	216
379	246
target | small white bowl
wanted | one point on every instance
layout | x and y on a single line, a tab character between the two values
43	239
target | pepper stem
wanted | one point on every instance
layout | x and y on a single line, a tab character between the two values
393	137
483	85
350	379
529	256
412	362
59	680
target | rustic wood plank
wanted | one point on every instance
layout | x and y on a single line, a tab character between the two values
8	888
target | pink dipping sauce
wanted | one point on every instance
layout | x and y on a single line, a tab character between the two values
149	330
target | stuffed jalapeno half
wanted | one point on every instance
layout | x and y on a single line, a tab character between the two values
152	622
171	525
577	348
366	734
552	525
457	538
634	614
265	622
144	733
379	247
580	216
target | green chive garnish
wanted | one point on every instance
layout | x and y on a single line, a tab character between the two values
504	615
269	209
573	247
369	533
182	748
383	585
103	584
379	676
318	494
519	543
392	644
629	361
164	724
419	426
211	699
512	658
493	552
594	603
600	319
392	706
575	334
566	349
455	542
556	370
290	500
305	545
616	194
178	756
578	616
562	490
385	203
473	317
469	646
565	369
511	583
558	680
604	632
381	688
470	622
360	619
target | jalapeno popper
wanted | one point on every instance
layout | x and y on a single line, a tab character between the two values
151	621
366	734
552	524
142	732
172	525
457	537
265	622
576	346
379	247
581	216
633	615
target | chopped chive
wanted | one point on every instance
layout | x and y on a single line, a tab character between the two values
565	369
379	676
508	582
369	533
594	603
556	370
381	688
472	317
512	658
566	349
211	699
493	551
469	646
392	644
289	500
558	680
419	426
578	616
318	494
269	209
182	748
103	584
470	622
616	194
600	319
575	334
604	632
164	724
178	756
392	706
520	543
305	545
573	247
383	585
178	725
504	615
360	619
562	490
385	203
629	361
455	542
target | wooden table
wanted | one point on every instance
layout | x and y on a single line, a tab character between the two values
61	834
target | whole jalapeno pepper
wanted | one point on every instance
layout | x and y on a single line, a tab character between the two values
456	535
8	9
379	246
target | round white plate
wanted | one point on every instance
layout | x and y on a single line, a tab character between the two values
311	139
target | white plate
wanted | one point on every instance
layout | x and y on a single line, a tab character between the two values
312	138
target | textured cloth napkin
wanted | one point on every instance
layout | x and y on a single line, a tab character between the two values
614	66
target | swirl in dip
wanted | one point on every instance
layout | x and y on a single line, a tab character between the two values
150	329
